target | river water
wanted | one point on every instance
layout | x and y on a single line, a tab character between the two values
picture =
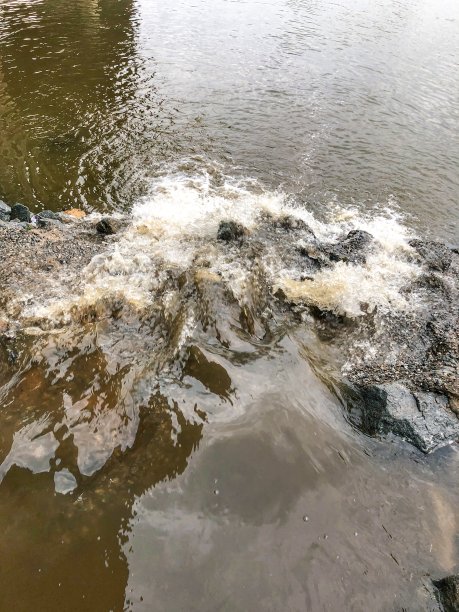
167	441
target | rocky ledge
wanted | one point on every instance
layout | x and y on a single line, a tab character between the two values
447	592
401	370
407	384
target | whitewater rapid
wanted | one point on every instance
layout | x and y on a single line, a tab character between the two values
173	230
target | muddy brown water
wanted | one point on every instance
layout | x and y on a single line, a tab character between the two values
168	441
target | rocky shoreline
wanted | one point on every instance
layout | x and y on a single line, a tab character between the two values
401	374
410	384
407	384
32	253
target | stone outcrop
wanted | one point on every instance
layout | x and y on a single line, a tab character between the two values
424	419
448	593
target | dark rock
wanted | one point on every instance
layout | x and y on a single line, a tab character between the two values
421	418
448	593
229	231
435	255
328	324
21	213
351	249
431	281
108	226
62	142
312	253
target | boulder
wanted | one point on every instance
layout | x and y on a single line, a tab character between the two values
435	255
351	249
448	593
21	213
47	219
290	223
229	231
421	418
107	226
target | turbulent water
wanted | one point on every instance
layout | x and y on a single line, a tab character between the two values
173	437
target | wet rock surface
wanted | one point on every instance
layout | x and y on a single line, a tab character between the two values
448	593
229	231
48	214
353	248
45	223
5	212
435	256
418	350
290	223
108	226
21	213
421	418
34	258
401	367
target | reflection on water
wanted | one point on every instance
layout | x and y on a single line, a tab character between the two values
227	477
167	441
80	110
335	100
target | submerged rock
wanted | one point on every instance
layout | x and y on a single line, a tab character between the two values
21	213
229	231
448	593
421	418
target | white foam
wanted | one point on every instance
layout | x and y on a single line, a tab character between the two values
181	206
352	290
176	225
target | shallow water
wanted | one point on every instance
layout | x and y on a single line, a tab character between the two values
170	439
